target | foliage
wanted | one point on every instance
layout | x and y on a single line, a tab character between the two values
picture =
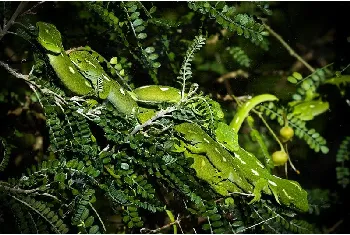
96	164
343	174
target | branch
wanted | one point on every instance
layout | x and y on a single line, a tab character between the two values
29	11
176	222
13	72
160	114
20	7
18	190
289	49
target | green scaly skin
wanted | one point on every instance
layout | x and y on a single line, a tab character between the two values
91	72
50	38
105	87
211	161
242	169
157	94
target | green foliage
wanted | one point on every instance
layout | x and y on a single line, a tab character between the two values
185	72
228	18
145	55
318	200
240	56
307	89
310	136
94	165
342	157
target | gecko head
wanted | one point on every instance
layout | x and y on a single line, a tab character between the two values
49	37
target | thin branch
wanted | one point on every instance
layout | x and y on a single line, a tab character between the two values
98	216
18	190
19	9
14	72
289	49
177	221
160	114
29	11
254	225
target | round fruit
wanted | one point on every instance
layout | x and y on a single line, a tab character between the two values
279	158
286	133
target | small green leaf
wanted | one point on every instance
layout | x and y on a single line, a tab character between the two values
89	221
324	149
153	56
150	50
130	224
137	22
118	67
139	29
292	79
297	97
152	10
94	229
132	8
206	227
156	65
135	15
215	217
217	224
114	60
142	36
297	75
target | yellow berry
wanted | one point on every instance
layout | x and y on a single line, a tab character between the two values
286	133
279	158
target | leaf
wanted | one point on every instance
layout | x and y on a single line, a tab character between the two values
297	76
137	22
114	60
142	36
94	229
292	79
324	149
153	9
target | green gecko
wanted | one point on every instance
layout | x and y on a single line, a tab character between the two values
92	79
68	68
211	161
241	168
104	86
50	38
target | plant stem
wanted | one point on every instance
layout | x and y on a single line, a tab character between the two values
289	49
7	26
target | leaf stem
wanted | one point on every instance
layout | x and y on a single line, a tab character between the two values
289	49
7	26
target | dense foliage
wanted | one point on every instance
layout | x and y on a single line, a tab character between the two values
72	164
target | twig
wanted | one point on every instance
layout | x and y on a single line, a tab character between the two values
254	225
160	114
13	72
270	129
177	221
29	11
289	49
20	7
98	216
18	190
330	230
